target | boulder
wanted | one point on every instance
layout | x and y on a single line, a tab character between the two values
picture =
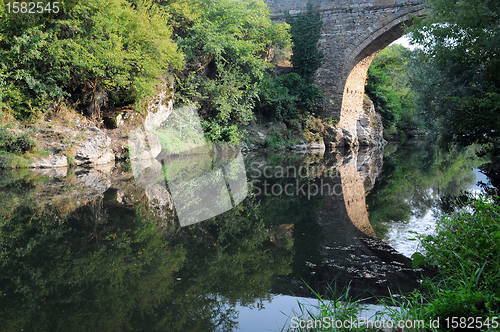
369	128
95	149
143	145
349	137
50	162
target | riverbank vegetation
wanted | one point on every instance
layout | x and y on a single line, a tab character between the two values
460	76
222	56
389	86
450	86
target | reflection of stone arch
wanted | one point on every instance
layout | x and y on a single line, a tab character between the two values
351	254
355	198
344	215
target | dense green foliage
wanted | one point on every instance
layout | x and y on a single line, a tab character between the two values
459	85
292	98
306	31
288	98
11	142
229	60
389	87
227	54
96	54
115	48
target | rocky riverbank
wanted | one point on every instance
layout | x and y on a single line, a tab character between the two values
67	138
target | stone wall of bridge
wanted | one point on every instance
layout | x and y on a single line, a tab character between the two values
353	32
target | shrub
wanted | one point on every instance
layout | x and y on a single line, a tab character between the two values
288	99
10	142
465	249
216	133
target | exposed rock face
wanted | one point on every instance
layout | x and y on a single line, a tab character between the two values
86	144
369	128
160	107
114	121
95	149
367	132
143	145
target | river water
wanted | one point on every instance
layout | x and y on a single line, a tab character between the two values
216	242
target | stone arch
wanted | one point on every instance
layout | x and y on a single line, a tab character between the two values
359	58
353	32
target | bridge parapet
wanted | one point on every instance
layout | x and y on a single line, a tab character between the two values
294	7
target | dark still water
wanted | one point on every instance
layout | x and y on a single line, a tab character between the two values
215	242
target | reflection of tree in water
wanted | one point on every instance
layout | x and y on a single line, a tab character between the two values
414	176
107	266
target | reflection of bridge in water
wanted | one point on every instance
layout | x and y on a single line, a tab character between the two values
358	256
349	250
200	182
351	253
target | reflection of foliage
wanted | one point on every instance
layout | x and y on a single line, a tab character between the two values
414	175
293	210
104	266
97	274
233	254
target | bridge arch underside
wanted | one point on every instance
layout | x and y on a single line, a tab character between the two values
350	40
355	72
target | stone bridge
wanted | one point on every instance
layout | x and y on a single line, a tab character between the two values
353	32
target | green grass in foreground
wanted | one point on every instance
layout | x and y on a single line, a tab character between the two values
464	297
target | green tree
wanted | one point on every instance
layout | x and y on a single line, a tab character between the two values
227	54
462	40
116	48
389	87
290	97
